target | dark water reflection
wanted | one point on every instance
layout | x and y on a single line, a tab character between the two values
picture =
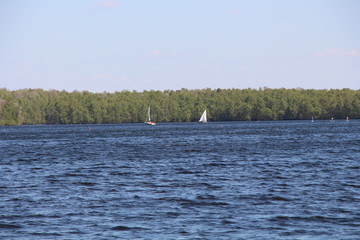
237	180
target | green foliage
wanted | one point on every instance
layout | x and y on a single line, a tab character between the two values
36	106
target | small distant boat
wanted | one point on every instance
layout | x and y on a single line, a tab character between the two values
347	118
149	122
203	118
332	119
312	119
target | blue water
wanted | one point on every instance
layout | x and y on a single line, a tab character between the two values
228	180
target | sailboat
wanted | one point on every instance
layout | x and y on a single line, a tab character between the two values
149	122
203	118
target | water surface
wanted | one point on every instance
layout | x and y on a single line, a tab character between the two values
228	180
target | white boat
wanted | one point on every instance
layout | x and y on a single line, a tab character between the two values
149	122
203	118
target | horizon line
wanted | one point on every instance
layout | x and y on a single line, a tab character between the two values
181	89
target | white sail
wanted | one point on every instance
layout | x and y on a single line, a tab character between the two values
203	118
149	122
149	114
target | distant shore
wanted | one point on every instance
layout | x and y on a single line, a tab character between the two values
37	106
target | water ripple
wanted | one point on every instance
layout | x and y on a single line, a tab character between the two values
239	180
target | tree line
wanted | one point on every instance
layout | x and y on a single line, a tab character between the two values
37	106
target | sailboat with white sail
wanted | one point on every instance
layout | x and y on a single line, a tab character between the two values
149	122
203	118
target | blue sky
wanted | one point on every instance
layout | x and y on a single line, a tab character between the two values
110	45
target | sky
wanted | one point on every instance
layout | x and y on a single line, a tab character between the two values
116	45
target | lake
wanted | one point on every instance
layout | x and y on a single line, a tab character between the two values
220	180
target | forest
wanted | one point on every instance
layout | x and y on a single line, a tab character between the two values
37	106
